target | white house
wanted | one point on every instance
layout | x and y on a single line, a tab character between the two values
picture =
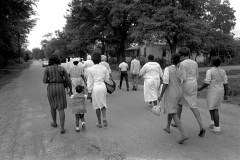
158	50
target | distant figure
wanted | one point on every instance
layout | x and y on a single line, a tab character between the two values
189	76
134	71
53	76
97	75
104	63
76	74
87	64
152	74
79	108
123	67
216	81
171	95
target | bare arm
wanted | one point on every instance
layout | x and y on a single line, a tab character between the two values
163	91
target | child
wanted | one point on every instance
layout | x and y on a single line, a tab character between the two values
216	81
79	107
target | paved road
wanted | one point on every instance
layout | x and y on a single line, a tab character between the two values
134	132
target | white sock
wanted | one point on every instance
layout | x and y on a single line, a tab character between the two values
77	128
83	123
217	128
211	122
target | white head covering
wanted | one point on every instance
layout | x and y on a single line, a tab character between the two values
103	58
89	57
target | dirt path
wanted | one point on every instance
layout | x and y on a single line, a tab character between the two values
134	132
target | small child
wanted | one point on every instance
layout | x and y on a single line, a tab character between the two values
79	107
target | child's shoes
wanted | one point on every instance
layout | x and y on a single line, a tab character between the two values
83	127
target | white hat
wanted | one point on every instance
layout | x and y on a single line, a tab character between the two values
89	57
103	58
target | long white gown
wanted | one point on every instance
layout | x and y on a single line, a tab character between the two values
215	77
189	76
151	73
97	74
75	75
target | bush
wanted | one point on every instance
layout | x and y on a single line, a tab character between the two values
163	62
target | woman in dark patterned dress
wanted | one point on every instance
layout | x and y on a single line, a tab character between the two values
53	76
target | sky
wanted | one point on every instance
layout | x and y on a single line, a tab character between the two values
51	18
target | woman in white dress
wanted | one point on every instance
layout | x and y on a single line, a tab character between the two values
97	74
189	76
216	81
171	95
152	73
76	75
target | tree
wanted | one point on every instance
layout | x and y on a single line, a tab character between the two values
165	20
16	23
108	22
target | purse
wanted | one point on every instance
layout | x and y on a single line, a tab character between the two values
65	84
158	109
111	86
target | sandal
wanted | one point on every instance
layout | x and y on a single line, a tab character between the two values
83	127
168	131
182	140
63	131
202	132
105	124
54	124
174	125
99	125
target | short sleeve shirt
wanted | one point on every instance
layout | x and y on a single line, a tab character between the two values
123	66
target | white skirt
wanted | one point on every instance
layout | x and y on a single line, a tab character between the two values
151	89
99	93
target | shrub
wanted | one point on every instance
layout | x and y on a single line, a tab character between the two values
163	62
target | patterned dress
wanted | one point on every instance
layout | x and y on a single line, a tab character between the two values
55	90
79	104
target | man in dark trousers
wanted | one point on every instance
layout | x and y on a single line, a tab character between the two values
123	68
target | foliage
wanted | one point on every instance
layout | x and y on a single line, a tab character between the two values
105	22
16	23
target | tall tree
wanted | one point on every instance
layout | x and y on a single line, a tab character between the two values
16	23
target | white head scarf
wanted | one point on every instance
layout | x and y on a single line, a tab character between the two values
89	57
103	58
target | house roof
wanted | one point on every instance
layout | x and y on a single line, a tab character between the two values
133	48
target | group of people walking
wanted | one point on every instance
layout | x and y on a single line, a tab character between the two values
175	87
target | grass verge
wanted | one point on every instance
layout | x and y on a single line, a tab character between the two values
8	73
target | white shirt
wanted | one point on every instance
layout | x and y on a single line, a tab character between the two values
151	70
106	65
135	66
123	66
189	70
86	65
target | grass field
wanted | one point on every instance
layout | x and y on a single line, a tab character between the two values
8	73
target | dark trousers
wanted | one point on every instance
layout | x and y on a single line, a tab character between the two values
124	74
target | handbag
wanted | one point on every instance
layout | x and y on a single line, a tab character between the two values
158	109
111	86
65	84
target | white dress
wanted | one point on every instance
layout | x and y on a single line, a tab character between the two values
75	75
97	74
87	64
215	77
106	65
151	73
189	76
